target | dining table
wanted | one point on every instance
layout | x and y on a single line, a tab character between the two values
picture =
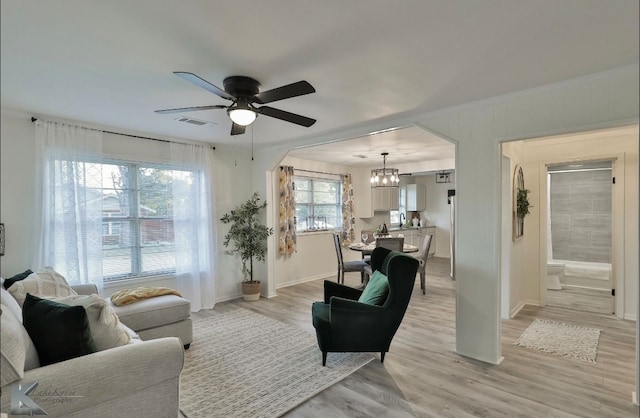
366	249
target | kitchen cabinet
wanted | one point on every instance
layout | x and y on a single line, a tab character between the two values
384	198
416	197
362	195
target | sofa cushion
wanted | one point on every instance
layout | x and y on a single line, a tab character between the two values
376	291
13	351
59	332
10	303
45	284
154	312
6	283
106	329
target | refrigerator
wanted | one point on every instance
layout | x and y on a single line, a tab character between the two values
452	234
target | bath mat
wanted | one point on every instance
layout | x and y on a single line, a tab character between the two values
561	339
243	364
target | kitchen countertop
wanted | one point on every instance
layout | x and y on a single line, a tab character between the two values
409	228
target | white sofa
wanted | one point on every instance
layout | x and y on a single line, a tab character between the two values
137	379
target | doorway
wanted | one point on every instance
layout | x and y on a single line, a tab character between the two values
579	236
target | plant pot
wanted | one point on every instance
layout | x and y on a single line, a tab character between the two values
251	291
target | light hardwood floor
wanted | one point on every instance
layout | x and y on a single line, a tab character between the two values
581	299
423	377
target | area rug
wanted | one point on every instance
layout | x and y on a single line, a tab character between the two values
243	364
561	339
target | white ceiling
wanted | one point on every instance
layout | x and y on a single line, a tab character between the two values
110	63
405	145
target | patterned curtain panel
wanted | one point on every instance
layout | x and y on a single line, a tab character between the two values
348	216
287	238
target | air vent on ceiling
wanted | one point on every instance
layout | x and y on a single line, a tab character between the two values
197	122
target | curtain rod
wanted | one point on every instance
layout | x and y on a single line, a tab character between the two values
317	172
33	119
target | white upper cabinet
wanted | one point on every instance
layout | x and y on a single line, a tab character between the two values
416	197
362	195
385	198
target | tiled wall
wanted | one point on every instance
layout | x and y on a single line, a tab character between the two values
581	216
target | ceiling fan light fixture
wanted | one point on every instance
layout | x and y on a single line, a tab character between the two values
242	116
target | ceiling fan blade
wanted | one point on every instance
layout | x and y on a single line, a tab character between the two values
290	90
237	129
190	109
286	116
192	78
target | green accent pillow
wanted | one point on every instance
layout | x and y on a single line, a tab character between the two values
59	332
376	291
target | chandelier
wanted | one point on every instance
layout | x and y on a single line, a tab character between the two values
384	177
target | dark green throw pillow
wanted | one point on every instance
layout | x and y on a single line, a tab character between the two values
59	332
376	291
20	276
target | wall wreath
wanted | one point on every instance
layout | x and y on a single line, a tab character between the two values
520	203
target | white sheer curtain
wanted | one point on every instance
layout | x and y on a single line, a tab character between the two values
194	228
69	220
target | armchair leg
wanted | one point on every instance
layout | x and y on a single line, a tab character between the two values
324	358
382	353
423	285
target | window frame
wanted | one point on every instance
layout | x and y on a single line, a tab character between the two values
135	247
338	205
136	220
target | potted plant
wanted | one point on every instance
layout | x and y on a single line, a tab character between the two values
248	238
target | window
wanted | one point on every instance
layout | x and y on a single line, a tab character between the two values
137	216
394	215
318	204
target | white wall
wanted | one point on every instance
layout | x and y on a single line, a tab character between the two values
517	296
18	200
17	171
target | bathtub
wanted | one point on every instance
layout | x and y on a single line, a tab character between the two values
580	273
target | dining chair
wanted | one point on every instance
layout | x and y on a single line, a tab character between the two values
390	243
347	266
422	257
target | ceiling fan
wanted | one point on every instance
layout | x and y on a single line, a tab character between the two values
244	92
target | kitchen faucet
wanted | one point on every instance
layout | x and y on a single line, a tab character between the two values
402	216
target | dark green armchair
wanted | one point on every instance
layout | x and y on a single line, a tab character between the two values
345	325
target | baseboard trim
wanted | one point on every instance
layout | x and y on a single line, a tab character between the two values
516	309
305	280
634	398
630	317
495	363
